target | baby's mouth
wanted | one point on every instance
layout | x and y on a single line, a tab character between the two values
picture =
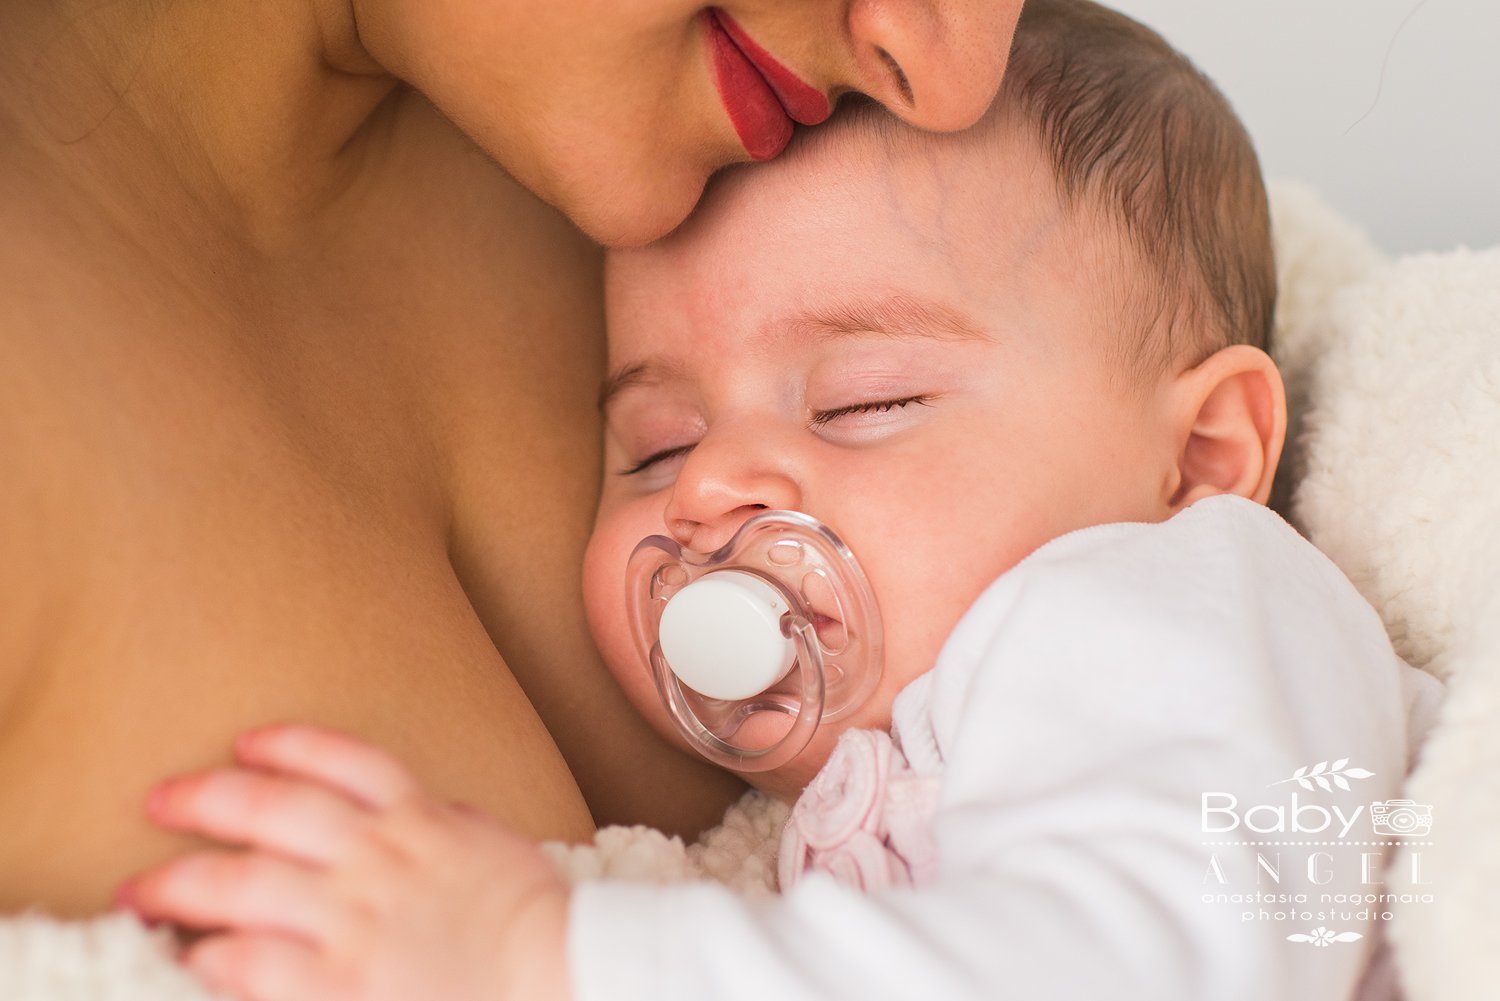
831	632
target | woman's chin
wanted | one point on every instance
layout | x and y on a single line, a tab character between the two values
643	214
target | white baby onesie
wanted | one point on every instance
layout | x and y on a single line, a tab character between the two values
1076	757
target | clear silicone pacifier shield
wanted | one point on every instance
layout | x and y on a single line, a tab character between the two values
780	620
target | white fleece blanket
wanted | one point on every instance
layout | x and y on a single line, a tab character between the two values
1393	371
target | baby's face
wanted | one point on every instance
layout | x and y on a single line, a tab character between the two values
913	345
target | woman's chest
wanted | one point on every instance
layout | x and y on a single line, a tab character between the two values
240	499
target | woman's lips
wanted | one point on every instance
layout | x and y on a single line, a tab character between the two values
762	96
804	103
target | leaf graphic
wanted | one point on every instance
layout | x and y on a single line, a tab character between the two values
1322	772
1348	936
1341	782
1298	937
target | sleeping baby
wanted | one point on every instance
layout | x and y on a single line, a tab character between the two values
1049	684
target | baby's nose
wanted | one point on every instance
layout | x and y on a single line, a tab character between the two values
708	536
722	485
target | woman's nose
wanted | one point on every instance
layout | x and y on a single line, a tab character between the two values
935	63
720	486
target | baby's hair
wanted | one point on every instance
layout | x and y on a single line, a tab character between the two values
1134	129
1136	135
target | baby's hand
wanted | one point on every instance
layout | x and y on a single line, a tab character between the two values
356	884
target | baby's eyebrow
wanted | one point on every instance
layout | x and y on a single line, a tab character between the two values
649	371
899	315
630	375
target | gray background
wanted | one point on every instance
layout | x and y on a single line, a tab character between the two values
1389	108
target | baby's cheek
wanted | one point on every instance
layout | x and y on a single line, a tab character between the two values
596	588
609	623
631	674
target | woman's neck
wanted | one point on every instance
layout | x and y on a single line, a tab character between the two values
255	114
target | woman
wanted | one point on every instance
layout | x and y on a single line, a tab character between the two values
298	412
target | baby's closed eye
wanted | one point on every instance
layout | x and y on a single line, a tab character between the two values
823	417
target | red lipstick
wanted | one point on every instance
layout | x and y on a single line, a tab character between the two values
762	97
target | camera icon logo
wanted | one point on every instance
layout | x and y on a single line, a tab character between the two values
1402	818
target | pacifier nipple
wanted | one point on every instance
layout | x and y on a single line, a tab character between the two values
722	635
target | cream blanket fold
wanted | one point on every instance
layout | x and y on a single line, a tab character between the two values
1400	486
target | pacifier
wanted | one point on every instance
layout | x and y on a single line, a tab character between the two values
780	620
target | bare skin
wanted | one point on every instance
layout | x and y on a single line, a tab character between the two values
297	423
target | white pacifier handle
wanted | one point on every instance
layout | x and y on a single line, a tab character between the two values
706	727
723	635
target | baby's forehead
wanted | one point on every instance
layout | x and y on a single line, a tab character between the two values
875	156
863	214
897	184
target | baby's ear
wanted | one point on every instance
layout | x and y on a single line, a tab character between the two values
1229	416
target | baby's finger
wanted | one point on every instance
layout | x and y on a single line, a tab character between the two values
308	822
235	890
357	769
258	966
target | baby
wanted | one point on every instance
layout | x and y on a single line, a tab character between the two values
1021	372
